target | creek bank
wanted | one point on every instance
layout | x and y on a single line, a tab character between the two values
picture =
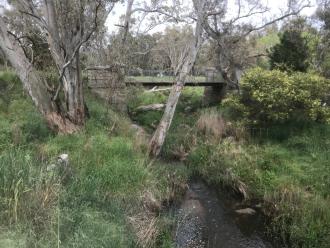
206	218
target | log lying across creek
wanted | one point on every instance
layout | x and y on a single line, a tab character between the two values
156	106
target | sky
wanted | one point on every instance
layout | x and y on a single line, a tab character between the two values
120	8
274	5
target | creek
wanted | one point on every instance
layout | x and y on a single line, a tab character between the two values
209	219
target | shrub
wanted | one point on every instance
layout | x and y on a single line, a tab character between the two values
275	96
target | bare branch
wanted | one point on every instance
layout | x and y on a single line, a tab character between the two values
292	13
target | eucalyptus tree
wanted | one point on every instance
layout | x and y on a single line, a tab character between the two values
229	26
225	23
174	45
187	57
66	26
228	30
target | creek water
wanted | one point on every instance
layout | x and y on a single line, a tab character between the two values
207	219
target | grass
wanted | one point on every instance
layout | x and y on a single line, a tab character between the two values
100	201
88	204
285	168
290	177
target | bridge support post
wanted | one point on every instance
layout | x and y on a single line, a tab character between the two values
213	94
108	83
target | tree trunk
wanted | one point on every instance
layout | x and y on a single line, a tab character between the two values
33	84
71	78
73	93
159	136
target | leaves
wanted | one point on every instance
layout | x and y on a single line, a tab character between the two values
275	96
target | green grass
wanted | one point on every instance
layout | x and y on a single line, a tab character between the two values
284	167
185	116
88	205
291	178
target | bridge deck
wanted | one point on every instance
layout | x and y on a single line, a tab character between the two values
170	83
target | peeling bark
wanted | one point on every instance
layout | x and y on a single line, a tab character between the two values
33	84
159	136
70	71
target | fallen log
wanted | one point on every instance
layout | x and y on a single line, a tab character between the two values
155	89
156	106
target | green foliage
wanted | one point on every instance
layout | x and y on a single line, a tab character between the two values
234	109
291	53
20	122
291	177
108	174
96	228
5	134
286	166
137	97
275	96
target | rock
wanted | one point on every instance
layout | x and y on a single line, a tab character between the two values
63	159
259	206
139	131
246	211
62	168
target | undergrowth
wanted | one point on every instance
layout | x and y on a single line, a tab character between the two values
110	195
285	167
87	202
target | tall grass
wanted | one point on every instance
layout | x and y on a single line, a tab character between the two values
290	176
87	204
285	167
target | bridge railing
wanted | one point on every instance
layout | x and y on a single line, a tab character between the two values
109	77
138	75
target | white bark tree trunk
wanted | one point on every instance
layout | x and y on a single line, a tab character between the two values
159	136
71	78
73	93
33	84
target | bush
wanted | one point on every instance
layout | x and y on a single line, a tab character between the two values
275	96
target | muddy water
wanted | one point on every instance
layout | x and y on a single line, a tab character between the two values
207	219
